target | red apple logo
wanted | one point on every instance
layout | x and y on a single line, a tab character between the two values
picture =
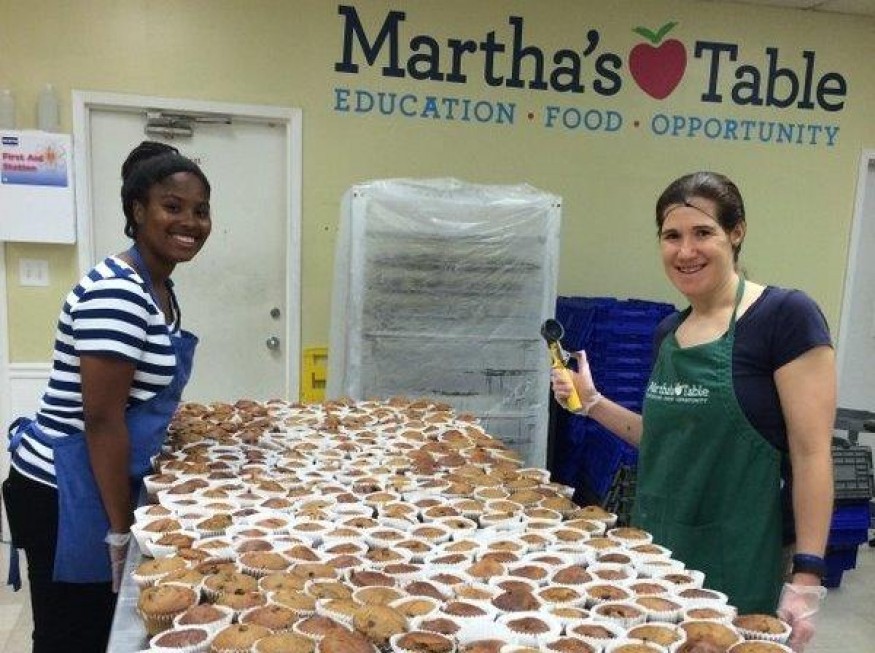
657	70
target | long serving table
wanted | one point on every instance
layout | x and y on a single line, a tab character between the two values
128	633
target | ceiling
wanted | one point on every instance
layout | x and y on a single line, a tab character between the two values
857	7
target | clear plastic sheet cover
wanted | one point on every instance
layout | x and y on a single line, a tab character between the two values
440	288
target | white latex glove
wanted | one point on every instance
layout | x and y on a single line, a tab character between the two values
117	556
797	606
582	380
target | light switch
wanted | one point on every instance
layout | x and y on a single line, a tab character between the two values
33	272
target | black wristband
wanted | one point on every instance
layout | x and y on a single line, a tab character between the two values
804	563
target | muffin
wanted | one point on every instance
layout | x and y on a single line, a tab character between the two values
529	628
281	581
376	595
486	569
463	609
378	623
722	613
441	625
420	641
227	581
757	646
295	600
149	571
762	626
317	626
237	637
559	595
570	645
516	601
624	614
634	647
343	610
328	589
184	639
663	635
159	604
486	646
708	633
369	578
424	588
262	563
415	606
345	641
205	615
240	599
184	576
310	570
284	643
276	617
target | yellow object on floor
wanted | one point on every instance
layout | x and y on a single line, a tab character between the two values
314	372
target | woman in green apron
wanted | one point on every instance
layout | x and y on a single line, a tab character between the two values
743	388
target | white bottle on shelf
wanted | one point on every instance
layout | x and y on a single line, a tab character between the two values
47	114
7	109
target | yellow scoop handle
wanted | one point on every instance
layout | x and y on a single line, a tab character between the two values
572	403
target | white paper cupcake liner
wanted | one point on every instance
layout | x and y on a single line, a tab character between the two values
778	647
778	638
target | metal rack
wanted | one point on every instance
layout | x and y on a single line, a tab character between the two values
440	290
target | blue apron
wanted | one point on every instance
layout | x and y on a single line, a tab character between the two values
81	555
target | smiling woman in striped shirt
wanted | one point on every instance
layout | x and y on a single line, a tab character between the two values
121	360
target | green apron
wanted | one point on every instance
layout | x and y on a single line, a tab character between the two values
708	482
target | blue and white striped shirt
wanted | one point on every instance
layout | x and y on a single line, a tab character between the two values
108	313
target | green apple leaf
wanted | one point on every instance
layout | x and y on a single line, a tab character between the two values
655	37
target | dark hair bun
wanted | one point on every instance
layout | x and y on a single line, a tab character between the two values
143	151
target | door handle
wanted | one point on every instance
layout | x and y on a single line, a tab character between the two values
272	343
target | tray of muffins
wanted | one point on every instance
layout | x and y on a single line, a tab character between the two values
394	526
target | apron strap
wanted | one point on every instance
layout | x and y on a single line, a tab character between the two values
14	576
739	293
16	431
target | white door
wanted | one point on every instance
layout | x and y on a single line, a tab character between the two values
857	336
233	295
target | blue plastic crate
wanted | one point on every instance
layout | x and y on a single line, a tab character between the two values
571	436
615	377
618	363
842	556
850	525
605	452
833	577
838	561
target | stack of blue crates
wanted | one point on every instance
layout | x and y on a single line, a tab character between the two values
618	338
848	530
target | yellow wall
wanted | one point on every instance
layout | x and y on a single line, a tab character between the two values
799	197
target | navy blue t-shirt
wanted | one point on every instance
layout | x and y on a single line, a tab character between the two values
777	328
